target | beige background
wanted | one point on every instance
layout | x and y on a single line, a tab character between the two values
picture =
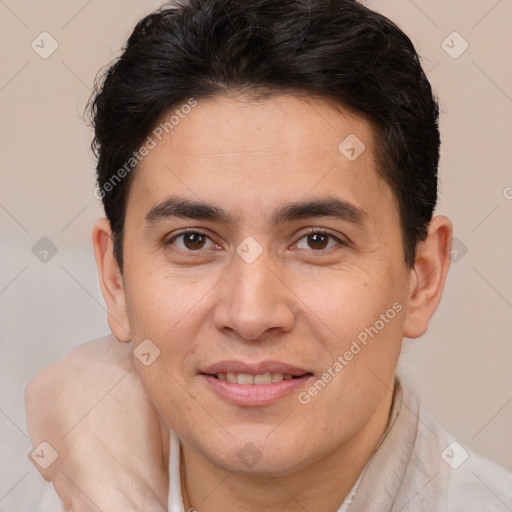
462	367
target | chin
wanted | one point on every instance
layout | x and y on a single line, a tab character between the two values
257	454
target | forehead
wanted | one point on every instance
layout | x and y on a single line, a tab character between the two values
284	126
252	156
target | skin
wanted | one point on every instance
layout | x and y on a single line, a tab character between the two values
83	405
301	301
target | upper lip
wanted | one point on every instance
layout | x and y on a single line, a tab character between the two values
253	368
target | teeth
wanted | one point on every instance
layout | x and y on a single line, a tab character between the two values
247	378
263	378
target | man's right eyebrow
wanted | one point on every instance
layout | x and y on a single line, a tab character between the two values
186	209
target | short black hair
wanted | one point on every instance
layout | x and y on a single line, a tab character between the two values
335	49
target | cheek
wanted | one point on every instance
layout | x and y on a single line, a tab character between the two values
349	301
165	311
159	301
363	313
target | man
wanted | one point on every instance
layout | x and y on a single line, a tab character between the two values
269	175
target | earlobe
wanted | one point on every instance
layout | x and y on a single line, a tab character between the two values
428	276
111	280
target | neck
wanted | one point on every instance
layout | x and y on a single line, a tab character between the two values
321	486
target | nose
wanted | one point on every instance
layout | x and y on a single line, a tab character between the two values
254	300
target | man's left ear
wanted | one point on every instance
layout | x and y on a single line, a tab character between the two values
428	276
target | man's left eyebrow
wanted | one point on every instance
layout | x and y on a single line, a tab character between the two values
329	207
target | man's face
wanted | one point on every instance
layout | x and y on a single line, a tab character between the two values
243	287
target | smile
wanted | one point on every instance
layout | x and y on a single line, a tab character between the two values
248	390
248	378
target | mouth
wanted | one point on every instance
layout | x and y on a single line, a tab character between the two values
260	378
252	385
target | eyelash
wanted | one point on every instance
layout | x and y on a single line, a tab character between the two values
319	231
310	231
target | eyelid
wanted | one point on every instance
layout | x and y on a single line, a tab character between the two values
185	231
309	231
323	231
169	240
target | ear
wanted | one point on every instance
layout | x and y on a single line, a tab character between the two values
428	276
111	280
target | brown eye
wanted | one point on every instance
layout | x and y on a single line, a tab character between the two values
318	241
191	241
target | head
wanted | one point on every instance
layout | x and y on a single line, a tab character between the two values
269	175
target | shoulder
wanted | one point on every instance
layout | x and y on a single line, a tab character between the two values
480	484
467	480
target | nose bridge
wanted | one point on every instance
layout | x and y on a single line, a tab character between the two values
253	280
254	298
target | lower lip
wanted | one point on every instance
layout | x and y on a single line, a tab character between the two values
255	395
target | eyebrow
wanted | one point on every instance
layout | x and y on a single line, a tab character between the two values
188	209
